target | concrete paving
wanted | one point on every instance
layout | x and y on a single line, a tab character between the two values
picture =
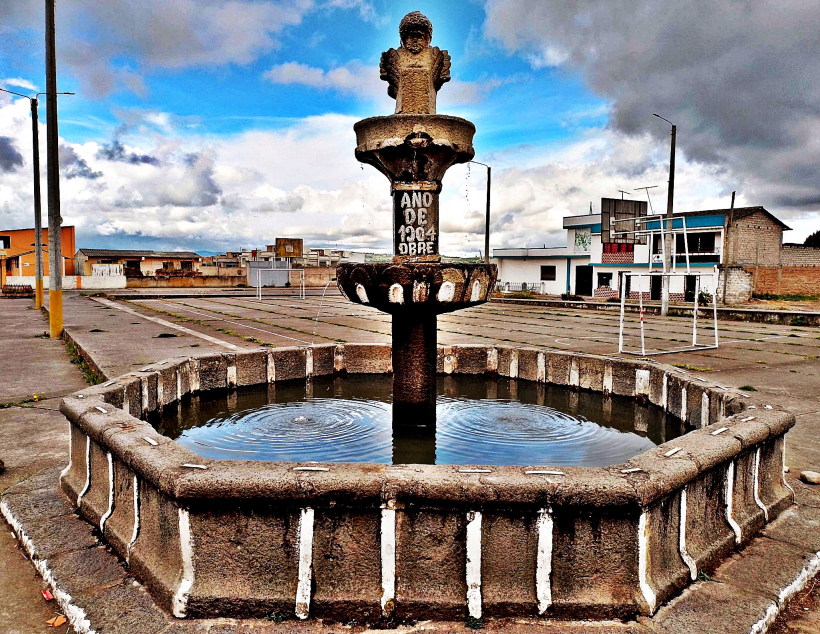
32	437
781	363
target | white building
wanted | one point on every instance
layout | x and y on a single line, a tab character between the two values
588	267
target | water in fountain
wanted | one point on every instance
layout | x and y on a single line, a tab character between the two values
477	420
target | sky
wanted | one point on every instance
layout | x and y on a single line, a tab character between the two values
215	125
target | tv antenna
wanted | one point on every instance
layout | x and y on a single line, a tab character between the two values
622	192
647	196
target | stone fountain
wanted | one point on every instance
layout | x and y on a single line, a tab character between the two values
414	147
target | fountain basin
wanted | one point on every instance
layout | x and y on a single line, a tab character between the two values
394	287
414	147
373	541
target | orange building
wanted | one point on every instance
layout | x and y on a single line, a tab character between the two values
19	258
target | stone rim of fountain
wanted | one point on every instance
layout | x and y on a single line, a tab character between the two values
637	504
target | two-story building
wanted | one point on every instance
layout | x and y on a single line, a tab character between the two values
593	264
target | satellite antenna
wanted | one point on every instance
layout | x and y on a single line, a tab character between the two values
622	192
647	196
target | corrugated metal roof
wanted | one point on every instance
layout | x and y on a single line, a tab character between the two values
125	253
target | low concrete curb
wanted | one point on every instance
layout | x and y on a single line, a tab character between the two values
96	592
785	317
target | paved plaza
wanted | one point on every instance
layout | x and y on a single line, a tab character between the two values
782	363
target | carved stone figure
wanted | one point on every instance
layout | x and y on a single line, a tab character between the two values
416	71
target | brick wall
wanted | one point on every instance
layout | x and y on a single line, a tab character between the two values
797	255
738	283
754	241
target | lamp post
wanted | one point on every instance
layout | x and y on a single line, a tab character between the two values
667	259
487	220
38	222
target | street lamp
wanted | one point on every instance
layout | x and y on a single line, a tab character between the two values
38	224
667	259
487	221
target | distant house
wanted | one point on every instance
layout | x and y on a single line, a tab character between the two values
19	258
743	245
138	263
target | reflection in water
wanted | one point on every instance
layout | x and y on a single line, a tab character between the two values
477	420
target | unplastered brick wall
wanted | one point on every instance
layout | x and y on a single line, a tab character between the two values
785	280
754	240
797	255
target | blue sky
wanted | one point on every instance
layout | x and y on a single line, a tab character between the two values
211	126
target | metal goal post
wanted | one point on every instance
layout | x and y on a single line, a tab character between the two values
695	345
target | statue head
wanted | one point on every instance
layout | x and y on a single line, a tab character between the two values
415	31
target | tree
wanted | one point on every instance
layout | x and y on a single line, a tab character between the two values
813	240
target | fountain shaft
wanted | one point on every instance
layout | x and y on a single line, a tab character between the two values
414	361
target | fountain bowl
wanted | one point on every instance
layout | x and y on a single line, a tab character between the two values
414	147
402	286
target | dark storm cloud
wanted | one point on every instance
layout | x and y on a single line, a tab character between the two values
74	166
115	151
10	157
740	79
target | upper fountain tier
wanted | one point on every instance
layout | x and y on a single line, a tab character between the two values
415	145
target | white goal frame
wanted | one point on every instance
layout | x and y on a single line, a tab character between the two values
695	345
301	281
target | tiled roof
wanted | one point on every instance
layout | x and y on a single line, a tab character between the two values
125	253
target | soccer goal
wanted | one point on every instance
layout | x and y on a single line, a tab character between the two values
709	344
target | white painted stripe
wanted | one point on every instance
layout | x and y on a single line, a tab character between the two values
388	556
475	470
160	392
179	384
543	565
684	553
168	324
87	470
540	472
474	564
642	382
76	616
305	563
704	410
730	489
757	487
492	360
541	368
574	374
632	470
65	471
136	533
718	432
110	510
786	484
272	368
608	378
311	469
180	602
308	362
514	364
672	452
150	441
194	466
665	394
101	409
145	402
643	562
683	399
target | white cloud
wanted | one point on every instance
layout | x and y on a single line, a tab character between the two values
18	83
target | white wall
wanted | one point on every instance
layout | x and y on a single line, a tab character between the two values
70	282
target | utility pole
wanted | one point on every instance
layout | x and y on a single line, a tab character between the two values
667	259
55	251
38	219
487	211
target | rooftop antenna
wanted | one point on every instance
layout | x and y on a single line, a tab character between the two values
590	207
622	192
647	196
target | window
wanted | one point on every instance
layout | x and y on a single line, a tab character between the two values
698	243
614	247
187	265
548	273
604	279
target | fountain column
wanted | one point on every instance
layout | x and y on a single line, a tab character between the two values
413	148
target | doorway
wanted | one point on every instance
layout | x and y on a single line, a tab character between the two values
655	286
583	280
689	294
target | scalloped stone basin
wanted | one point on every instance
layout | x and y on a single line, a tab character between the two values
478	419
375	542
